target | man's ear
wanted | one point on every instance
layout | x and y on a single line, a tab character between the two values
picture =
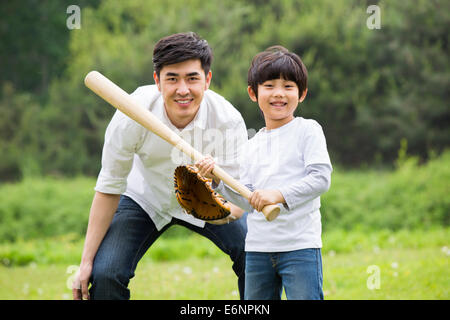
252	94
155	76
303	95
208	80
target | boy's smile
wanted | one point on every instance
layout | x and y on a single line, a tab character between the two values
278	104
277	99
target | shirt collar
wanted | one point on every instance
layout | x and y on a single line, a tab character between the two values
201	116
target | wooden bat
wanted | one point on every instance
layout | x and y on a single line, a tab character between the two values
122	101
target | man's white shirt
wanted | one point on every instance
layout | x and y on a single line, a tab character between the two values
140	164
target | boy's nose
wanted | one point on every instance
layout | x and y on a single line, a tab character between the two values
278	92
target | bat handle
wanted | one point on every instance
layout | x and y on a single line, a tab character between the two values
271	211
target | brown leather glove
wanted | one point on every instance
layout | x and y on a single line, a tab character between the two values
196	196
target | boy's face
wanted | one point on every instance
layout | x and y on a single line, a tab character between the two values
182	86
277	99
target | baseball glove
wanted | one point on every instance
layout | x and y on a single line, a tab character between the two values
196	196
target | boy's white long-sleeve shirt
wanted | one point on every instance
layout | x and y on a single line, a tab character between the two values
294	160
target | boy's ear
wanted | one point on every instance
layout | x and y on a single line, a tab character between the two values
303	96
155	76
252	94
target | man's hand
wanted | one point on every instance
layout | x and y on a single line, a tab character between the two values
81	282
262	197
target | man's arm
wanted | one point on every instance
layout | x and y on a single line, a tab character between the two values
102	212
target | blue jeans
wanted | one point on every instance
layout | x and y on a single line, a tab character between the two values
299	272
131	234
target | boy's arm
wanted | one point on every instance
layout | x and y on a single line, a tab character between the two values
234	197
317	182
206	166
318	169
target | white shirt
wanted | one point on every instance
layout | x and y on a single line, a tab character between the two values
141	165
294	160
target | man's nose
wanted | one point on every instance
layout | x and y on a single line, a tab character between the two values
182	89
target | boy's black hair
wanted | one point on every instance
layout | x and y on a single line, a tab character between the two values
180	47
274	63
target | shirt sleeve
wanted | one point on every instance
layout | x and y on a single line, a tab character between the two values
123	138
314	145
234	197
318	170
316	182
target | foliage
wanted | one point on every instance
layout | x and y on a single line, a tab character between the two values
411	197
35	42
368	88
39	208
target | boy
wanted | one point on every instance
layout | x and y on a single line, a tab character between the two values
287	163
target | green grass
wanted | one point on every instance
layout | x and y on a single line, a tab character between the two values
411	264
404	274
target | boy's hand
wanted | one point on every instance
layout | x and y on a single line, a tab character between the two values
205	167
262	197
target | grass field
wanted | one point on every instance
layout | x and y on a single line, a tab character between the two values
386	235
380	265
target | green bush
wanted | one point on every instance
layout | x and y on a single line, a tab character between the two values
411	197
67	249
44	207
369	89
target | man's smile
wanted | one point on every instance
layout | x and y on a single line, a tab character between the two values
184	102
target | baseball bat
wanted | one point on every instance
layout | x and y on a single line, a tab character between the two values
122	101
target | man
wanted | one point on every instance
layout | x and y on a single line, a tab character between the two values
134	201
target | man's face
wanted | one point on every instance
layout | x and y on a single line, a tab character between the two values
182	86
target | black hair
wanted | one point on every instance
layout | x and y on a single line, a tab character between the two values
180	47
